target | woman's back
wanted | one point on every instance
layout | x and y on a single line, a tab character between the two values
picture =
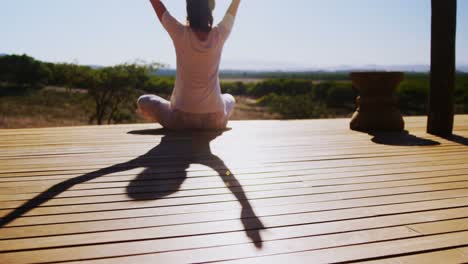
197	88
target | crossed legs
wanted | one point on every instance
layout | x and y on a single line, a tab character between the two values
158	109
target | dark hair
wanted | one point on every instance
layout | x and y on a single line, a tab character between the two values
199	15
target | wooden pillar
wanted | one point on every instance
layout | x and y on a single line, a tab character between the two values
441	102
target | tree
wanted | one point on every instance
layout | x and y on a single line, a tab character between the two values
112	87
23	71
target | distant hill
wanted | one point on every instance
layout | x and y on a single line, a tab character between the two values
165	72
417	68
95	67
463	68
335	70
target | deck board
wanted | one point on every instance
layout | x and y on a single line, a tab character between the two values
307	191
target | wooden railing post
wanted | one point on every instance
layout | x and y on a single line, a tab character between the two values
441	102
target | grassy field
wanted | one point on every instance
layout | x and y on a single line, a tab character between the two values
41	94
43	109
52	107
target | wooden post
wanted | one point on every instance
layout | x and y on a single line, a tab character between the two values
441	102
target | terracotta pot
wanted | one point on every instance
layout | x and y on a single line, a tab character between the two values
377	105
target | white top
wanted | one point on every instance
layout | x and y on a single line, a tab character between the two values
197	88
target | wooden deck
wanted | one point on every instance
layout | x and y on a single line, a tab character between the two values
262	192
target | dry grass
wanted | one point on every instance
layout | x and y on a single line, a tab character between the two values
53	108
246	109
43	109
36	122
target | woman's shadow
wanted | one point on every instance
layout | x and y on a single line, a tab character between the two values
165	171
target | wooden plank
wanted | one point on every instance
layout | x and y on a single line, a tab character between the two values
299	162
219	208
251	182
49	208
287	228
309	148
352	253
219	193
19	166
73	226
323	249
204	242
440	227
444	163
455	255
189	188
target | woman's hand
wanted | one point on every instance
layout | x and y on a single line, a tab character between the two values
159	8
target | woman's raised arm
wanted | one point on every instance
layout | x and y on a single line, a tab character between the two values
159	8
227	23
232	10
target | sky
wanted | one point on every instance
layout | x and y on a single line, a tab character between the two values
268	34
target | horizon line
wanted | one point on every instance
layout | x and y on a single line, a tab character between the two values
460	67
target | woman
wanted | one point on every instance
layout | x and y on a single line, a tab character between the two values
196	101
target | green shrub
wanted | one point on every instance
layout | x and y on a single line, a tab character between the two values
159	85
294	106
23	71
341	95
281	87
234	88
413	94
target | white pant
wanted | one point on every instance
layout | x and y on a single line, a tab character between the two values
158	109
